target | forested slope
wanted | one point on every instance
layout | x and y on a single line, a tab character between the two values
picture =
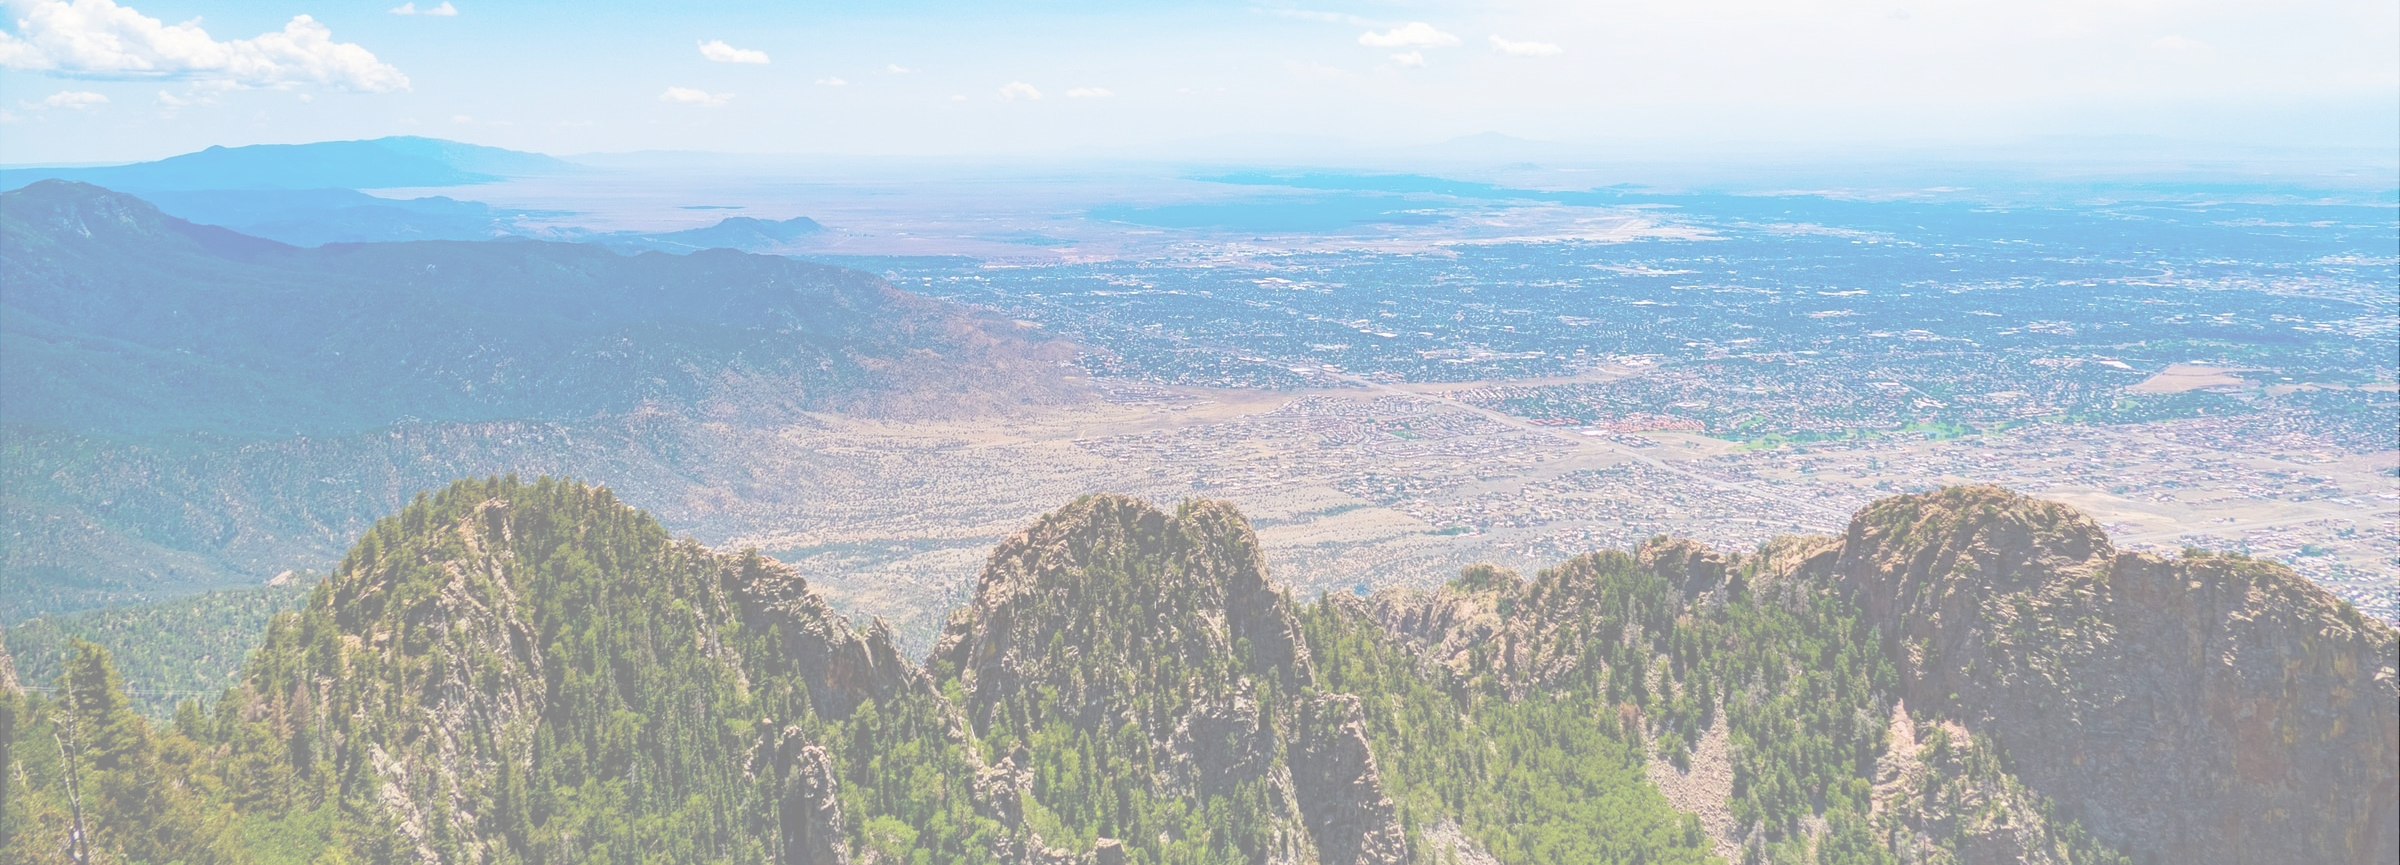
171	650
533	672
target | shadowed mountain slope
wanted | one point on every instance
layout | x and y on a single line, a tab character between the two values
124	321
183	407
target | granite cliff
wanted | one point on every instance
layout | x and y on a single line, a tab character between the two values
2198	709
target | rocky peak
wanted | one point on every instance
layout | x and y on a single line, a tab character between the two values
843	668
496	637
2202	709
1111	614
1112	583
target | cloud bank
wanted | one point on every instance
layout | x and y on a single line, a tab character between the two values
100	39
1015	90
717	50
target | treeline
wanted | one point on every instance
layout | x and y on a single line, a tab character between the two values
167	651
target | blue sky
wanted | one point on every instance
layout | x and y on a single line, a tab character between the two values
91	81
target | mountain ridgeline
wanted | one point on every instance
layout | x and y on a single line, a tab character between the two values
187	407
535	672
126	322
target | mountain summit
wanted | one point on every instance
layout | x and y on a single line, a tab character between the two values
1135	667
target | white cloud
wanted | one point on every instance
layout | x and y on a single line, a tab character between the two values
73	100
1090	93
410	8
1414	34
832	82
2177	43
1016	90
1523	49
897	69
690	96
462	119
100	39
717	50
1410	58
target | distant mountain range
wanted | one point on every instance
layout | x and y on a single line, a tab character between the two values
125	321
399	161
132	338
512	670
310	195
315	217
746	233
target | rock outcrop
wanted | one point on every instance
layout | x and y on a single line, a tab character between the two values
1339	788
8	673
843	668
809	817
2204	709
500	632
1111	614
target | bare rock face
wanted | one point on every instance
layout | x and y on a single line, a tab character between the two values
1691	566
808	814
1112	614
843	667
2197	710
8	673
1341	792
1947	800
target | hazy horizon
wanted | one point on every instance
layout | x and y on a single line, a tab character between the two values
98	81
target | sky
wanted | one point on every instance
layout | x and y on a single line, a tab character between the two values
120	80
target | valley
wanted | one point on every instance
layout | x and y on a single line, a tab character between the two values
1357	487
